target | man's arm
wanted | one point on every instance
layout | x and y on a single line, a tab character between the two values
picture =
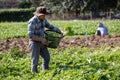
42	40
51	27
32	36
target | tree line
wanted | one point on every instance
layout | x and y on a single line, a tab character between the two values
75	7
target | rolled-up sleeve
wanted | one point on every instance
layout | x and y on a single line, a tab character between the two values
31	29
49	26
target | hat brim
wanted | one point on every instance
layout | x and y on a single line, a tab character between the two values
39	14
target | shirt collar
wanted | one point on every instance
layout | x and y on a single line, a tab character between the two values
39	20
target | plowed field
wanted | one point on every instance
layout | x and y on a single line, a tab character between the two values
92	41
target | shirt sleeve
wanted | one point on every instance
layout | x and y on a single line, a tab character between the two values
31	29
106	31
49	26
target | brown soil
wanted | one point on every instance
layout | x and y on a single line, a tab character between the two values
93	41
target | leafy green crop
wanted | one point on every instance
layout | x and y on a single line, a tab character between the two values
70	64
13	29
68	30
73	28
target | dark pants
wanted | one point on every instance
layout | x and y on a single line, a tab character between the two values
37	49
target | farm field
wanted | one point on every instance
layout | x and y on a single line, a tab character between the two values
80	56
76	27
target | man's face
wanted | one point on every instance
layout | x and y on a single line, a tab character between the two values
41	17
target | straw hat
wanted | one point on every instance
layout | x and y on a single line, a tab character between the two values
40	11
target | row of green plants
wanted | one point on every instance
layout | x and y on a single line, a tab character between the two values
70	28
70	64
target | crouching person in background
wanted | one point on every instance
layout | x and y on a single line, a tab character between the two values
102	30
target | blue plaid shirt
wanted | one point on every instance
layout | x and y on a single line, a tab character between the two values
36	27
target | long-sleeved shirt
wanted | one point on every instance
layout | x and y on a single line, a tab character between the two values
36	27
102	30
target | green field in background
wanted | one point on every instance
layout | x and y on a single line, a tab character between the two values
79	27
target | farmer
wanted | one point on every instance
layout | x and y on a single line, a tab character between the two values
37	42
102	30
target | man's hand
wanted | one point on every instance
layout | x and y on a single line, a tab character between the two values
59	31
44	41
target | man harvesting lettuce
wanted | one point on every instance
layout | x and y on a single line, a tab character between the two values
37	42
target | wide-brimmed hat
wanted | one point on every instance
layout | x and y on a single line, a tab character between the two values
40	11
